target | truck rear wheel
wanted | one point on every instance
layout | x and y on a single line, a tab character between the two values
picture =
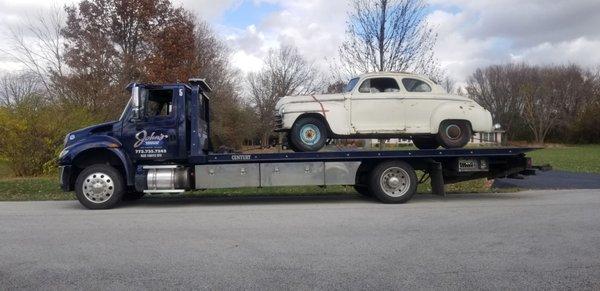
99	187
308	134
393	182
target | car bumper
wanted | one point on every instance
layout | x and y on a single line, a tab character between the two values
279	123
65	178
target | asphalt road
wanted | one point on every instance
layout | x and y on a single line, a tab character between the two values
542	239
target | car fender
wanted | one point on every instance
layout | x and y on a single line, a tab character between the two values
334	113
480	119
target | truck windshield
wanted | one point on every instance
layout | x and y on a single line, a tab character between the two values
350	85
125	110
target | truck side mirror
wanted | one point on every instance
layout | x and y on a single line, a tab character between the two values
135	102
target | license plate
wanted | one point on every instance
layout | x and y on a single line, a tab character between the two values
472	165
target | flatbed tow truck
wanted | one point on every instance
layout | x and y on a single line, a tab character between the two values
161	144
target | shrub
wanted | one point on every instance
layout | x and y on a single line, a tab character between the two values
33	133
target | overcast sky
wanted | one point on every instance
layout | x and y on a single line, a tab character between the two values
471	33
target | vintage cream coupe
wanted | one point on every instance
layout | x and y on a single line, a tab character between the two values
382	105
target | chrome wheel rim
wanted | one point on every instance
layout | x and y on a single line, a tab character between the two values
453	131
395	182
310	134
98	187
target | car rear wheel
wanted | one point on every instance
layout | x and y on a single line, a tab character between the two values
308	134
393	182
454	134
425	143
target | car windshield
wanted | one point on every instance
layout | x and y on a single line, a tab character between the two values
351	85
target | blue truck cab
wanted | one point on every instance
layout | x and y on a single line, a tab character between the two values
161	144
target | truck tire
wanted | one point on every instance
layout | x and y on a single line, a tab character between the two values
308	134
425	143
454	134
99	187
393	182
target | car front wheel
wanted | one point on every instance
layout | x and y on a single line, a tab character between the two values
454	134
308	134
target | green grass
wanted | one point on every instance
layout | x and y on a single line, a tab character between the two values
30	189
583	159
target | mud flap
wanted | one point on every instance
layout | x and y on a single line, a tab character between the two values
437	179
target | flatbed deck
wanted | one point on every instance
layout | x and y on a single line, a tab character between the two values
360	155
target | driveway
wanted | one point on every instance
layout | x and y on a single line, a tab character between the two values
552	180
532	239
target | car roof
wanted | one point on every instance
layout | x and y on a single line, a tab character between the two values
394	74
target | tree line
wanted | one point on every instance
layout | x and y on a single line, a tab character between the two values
557	103
79	59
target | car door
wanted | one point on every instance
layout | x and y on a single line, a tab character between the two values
377	106
155	136
419	104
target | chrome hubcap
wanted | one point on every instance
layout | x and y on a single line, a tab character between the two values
453	131
310	134
98	187
395	182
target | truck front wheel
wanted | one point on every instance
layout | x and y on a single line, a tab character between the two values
393	182
308	134
99	187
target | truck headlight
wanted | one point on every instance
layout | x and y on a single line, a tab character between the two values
63	153
69	137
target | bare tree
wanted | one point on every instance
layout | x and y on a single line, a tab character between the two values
38	45
449	84
285	73
539	99
541	104
562	94
497	88
336	87
16	87
230	115
388	35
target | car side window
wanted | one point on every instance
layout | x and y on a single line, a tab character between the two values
415	85
379	85
160	103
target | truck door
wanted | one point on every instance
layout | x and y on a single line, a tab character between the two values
155	135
